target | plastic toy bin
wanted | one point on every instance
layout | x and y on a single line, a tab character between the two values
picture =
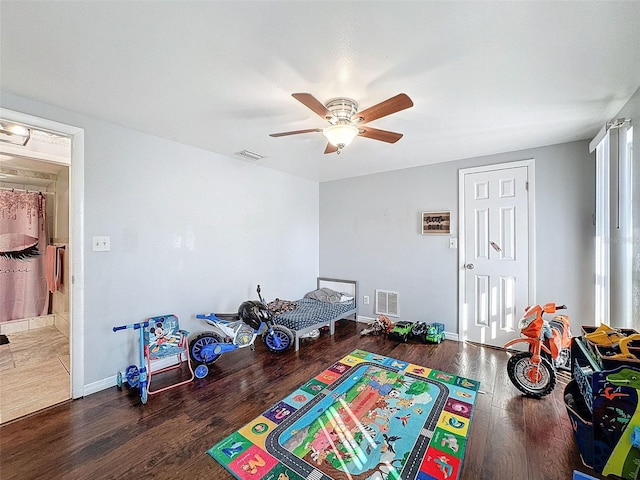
581	422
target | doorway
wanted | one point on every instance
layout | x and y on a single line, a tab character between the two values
34	320
496	269
73	167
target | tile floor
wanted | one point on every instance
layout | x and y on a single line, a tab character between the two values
34	372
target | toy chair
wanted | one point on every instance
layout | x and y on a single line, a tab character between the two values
163	338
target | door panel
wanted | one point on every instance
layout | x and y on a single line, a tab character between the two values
482	300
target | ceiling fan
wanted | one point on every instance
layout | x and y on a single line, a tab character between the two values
346	122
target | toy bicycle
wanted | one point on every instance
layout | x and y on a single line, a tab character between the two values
253	318
135	376
534	372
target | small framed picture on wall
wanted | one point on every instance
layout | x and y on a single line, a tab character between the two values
436	223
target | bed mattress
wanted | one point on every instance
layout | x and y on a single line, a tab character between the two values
313	313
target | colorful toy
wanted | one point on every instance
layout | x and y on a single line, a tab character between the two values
160	337
534	372
135	376
400	331
623	346
605	335
380	326
418	332
253	318
435	333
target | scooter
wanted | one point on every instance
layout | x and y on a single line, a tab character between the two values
254	318
534	372
135	376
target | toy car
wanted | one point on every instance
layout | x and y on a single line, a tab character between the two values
419	332
400	331
435	333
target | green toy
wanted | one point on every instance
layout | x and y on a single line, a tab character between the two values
400	331
435	333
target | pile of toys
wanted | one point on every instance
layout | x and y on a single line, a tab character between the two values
380	326
417	331
404	331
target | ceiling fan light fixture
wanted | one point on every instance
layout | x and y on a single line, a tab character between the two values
340	135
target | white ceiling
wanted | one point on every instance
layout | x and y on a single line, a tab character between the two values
485	77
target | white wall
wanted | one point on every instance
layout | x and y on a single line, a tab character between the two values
370	231
191	231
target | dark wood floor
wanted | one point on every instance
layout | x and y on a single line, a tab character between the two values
111	435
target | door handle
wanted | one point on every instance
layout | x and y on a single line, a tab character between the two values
469	266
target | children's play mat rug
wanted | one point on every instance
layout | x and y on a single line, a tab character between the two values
365	417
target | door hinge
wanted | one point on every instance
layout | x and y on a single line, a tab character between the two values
526	186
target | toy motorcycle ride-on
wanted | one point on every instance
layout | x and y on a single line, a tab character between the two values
534	372
254	319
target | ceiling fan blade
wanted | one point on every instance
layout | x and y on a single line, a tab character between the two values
312	103
330	148
392	105
296	132
382	135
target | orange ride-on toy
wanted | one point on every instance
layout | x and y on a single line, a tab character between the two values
534	372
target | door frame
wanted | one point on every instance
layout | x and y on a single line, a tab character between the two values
76	244
530	164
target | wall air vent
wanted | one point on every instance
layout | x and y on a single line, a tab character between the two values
387	303
249	155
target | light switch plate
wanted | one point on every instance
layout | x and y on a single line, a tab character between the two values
101	243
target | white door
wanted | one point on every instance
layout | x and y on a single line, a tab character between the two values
494	276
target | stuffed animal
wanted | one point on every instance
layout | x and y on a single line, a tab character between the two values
380	326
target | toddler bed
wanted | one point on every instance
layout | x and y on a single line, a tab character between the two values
334	299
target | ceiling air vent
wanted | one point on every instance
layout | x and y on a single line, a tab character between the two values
387	303
249	155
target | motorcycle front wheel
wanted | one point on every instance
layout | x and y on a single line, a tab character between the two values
278	339
533	379
199	349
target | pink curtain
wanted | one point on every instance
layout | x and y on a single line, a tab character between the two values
23	240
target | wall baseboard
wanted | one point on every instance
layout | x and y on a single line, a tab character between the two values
95	387
111	381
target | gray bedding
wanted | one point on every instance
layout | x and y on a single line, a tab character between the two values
327	295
